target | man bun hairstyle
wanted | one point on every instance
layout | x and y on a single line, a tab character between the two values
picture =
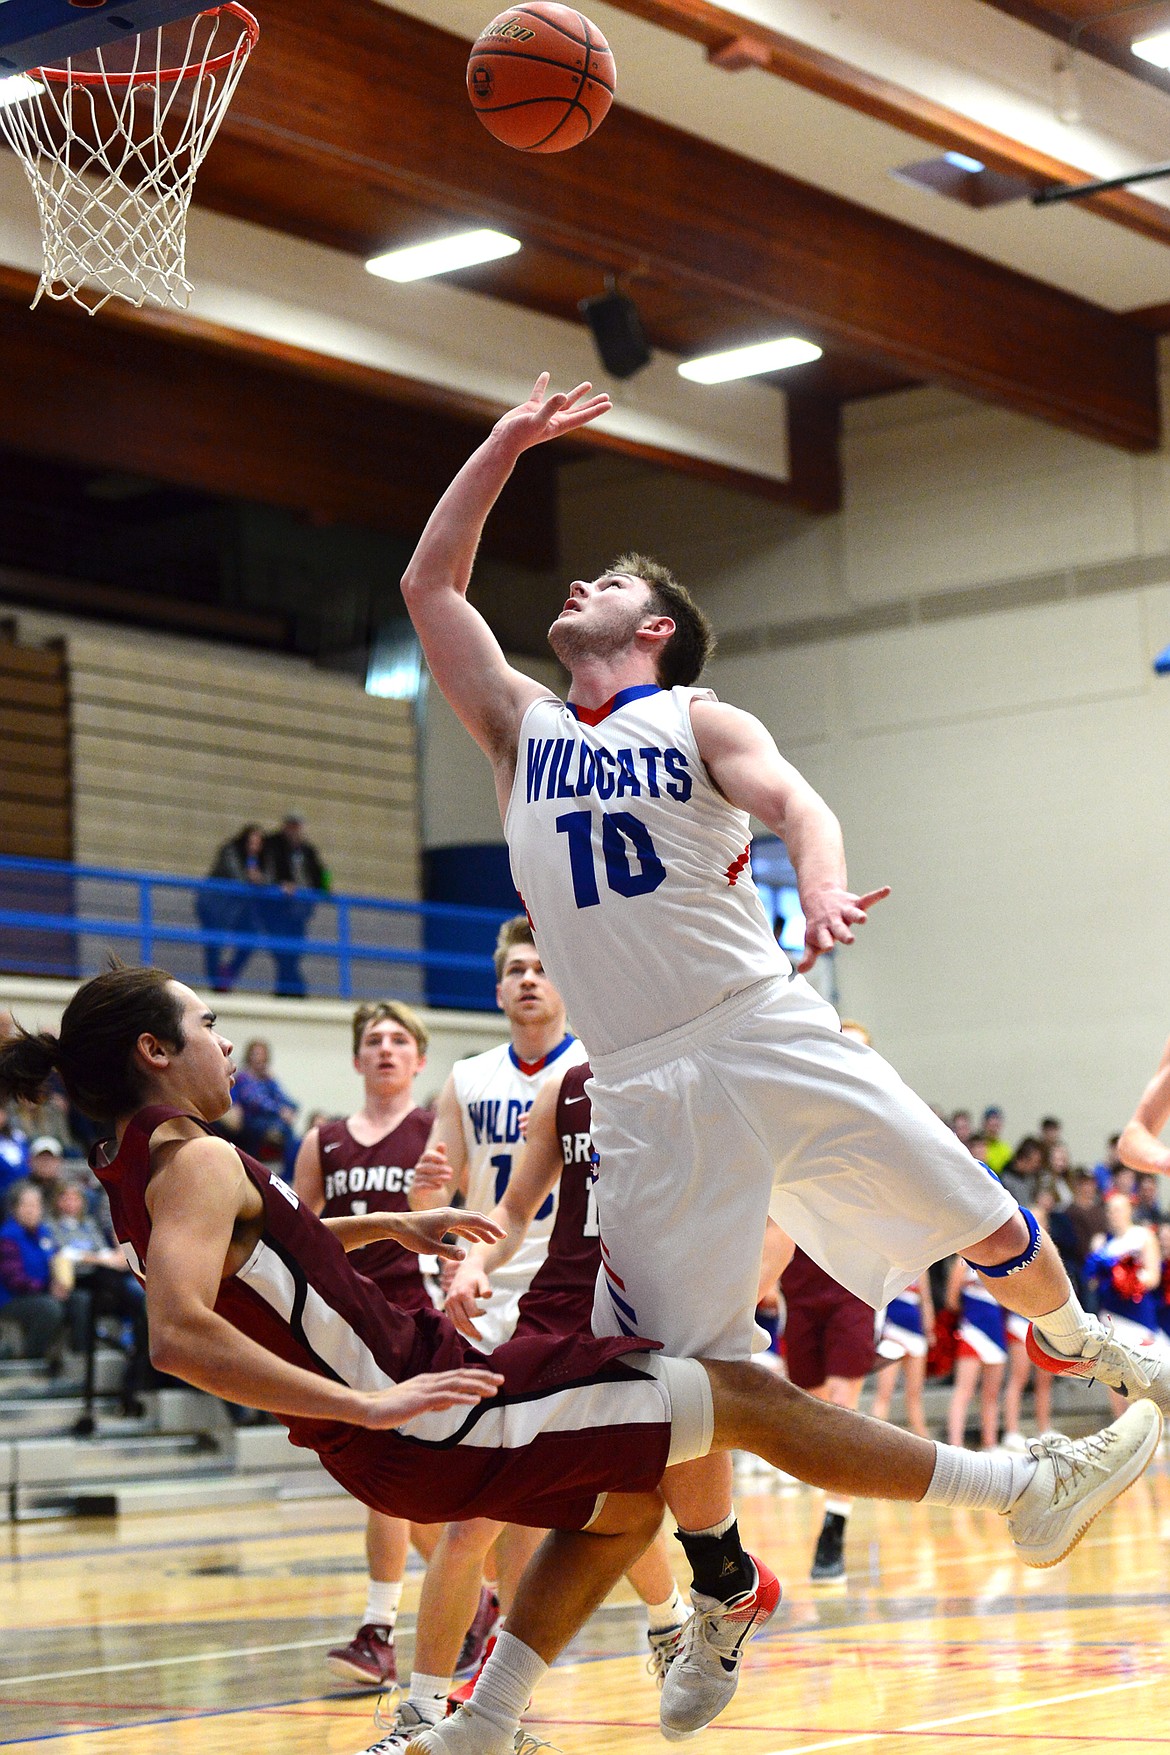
517	931
683	657
377	1010
94	1052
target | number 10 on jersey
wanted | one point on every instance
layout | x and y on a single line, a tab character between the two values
632	866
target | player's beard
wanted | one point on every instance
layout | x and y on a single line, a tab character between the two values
572	641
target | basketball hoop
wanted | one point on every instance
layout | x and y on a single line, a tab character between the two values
111	143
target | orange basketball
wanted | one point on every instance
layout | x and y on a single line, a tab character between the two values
540	77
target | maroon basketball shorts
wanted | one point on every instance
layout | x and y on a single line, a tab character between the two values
828	1336
576	1419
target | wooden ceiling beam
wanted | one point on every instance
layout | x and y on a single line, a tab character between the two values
717	29
351	109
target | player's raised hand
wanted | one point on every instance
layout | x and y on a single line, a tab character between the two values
829	918
467	1295
429	1393
433	1171
547	417
426	1233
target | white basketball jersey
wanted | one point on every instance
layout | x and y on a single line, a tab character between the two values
633	867
494	1090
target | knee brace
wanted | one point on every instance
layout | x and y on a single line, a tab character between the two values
1025	1258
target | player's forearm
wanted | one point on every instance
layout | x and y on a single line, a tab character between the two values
815	845
445	554
514	1225
1141	1150
207	1352
355	1230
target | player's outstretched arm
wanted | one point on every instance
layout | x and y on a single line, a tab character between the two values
537	1173
425	1233
741	757
196	1200
464	655
1139	1147
308	1177
442	1168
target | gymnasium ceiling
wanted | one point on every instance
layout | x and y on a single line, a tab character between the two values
732	205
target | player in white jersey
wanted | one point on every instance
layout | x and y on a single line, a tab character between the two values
475	1141
721	1082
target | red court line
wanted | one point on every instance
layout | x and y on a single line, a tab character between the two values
629	1724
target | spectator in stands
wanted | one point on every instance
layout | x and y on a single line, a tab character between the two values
49	1116
104	1285
36	1284
295	865
1086	1218
1051	1134
1110	1164
267	1113
960	1124
239	861
46	1167
1057	1174
1147	1206
1019	1174
996	1151
13	1150
977	1146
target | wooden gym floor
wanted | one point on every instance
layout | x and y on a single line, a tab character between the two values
202	1633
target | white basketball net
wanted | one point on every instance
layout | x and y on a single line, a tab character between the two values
111	144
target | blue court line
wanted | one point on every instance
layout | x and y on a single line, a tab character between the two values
177	1718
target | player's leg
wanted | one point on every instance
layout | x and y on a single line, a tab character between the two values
654	1582
514	1548
883	1394
913	1384
447	1605
370	1656
829	1559
569	1576
1018	1372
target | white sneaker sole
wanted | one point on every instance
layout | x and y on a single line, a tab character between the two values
1105	1495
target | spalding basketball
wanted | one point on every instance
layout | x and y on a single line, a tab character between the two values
541	77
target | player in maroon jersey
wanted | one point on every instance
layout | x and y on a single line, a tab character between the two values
366	1164
250	1296
558	1153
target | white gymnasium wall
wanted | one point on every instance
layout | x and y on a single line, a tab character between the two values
178	742
961	662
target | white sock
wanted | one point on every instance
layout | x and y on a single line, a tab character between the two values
672	1613
1067	1327
717	1529
428	1695
838	1507
507	1683
977	1478
382	1602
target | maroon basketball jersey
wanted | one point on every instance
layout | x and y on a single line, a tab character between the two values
377	1179
560	1299
299	1296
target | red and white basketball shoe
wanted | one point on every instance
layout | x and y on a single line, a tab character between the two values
1136	1372
705	1674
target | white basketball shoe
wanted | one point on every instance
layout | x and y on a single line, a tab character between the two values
1133	1371
705	1673
1075	1481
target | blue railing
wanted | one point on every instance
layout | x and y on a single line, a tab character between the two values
64	920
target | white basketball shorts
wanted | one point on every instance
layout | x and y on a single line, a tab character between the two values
762	1105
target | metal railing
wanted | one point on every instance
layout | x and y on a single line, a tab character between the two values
65	920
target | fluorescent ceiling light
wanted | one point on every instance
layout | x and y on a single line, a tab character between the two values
962	162
1155	49
16	87
418	261
746	362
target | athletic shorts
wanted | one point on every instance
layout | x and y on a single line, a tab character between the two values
576	1419
762	1105
828	1337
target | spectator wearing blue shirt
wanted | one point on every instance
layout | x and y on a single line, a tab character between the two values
266	1112
13	1151
32	1293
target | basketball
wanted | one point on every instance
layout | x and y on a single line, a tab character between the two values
541	77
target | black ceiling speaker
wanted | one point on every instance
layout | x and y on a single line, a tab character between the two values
617	332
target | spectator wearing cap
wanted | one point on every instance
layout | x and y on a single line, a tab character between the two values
293	862
996	1152
46	1166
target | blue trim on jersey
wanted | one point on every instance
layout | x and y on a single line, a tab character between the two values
528	1067
618	1307
594	716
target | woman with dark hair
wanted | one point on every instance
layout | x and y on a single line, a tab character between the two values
239	861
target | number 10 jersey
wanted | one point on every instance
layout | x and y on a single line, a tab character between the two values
633	867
